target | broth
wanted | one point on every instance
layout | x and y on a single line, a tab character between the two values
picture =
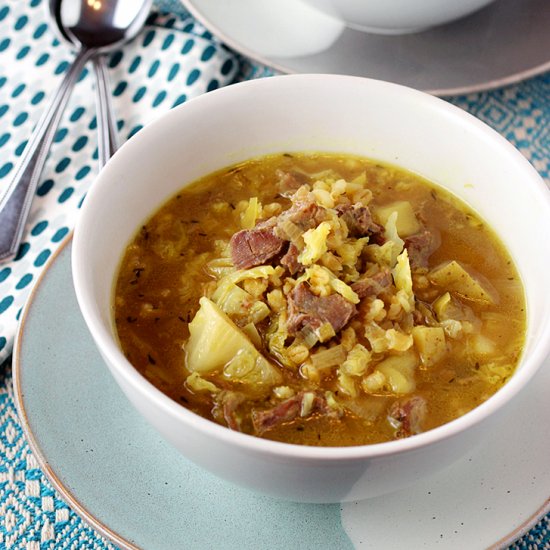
320	299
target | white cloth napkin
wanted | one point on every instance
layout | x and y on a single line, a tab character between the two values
172	61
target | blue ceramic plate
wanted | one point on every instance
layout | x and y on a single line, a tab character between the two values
125	481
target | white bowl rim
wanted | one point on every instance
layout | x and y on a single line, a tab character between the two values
277	449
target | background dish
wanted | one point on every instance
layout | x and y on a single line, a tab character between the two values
503	43
396	16
488	498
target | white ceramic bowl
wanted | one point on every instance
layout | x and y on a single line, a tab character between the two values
397	16
314	113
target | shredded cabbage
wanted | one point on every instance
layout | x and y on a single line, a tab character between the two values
219	267
344	290
496	373
315	243
307	404
346	384
252	213
318	272
374	382
196	383
283	392
392	236
403	278
231	298
332	403
329	357
251	368
290	229
357	361
216	341
259	272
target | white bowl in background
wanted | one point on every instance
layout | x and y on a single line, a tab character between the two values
342	114
396	16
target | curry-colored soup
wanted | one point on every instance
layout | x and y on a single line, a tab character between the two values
320	299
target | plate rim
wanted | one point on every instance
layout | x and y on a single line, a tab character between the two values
485	86
32	441
71	499
522	529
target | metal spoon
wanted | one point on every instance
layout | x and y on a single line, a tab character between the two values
106	125
98	26
78	25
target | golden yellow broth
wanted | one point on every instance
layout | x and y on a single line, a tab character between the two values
162	277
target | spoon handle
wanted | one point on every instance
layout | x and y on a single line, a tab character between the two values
15	202
106	120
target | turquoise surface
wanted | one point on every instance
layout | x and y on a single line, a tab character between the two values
118	468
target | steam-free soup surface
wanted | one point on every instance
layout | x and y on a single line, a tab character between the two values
320	299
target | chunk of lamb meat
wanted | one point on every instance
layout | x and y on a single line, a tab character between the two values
289	182
421	246
408	415
226	406
305	308
359	220
252	247
372	286
306	214
290	260
289	410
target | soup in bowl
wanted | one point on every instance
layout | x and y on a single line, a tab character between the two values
320	299
317	293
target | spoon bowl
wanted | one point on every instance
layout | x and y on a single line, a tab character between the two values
102	25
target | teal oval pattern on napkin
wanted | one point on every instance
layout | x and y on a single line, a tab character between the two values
172	61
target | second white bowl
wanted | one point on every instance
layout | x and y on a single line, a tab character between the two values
397	16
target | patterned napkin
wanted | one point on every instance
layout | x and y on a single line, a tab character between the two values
174	60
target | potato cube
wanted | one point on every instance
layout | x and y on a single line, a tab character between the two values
406	223
481	345
430	344
399	372
454	277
